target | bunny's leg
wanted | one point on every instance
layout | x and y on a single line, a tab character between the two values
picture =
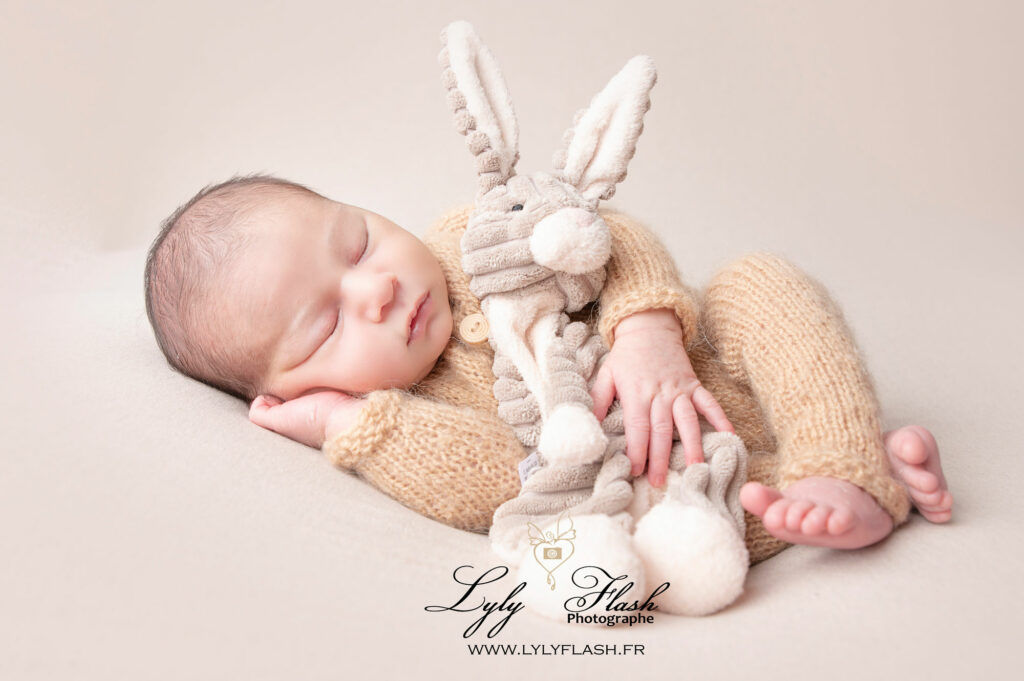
571	433
778	332
693	538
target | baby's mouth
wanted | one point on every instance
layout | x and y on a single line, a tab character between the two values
417	310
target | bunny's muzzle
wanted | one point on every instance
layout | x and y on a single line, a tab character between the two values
572	240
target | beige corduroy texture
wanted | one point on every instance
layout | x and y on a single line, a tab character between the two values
767	342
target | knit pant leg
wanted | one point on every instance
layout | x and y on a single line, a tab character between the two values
778	331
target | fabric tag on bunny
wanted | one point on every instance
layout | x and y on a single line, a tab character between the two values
527	466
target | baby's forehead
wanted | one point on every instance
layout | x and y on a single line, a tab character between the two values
255	289
289	214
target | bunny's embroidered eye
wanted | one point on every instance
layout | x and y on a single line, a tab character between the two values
518	206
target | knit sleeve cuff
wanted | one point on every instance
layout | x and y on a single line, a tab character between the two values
642	276
360	442
680	302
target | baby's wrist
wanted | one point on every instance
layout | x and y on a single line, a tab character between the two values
648	320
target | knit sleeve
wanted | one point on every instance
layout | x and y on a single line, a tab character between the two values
641	276
454	464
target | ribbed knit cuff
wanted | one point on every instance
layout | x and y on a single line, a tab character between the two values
376	420
680	302
886	490
641	276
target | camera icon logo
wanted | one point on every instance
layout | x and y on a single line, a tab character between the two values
553	546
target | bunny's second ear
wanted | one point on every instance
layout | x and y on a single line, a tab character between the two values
603	138
481	103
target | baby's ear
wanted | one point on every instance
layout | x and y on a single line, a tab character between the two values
482	104
598	147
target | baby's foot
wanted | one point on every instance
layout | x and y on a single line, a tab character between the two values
914	458
820	511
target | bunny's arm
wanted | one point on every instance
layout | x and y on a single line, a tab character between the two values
641	276
452	463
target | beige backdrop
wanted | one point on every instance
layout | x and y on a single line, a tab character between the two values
149	531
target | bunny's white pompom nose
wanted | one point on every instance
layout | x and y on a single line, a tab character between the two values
573	240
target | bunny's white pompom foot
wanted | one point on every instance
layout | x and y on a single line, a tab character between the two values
572	435
697	551
573	240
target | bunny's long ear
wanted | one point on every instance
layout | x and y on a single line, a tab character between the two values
481	103
603	138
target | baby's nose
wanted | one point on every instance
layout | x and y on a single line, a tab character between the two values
385	295
375	293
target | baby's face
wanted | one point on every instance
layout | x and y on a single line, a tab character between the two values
347	299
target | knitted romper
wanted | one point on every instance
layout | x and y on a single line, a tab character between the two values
764	338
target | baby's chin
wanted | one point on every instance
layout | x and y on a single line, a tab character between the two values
405	383
397	384
426	372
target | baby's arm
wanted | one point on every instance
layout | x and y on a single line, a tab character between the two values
454	464
647	318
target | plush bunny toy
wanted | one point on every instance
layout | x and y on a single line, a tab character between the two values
535	249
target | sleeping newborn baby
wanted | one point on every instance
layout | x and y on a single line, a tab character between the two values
346	332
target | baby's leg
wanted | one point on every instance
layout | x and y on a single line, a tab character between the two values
779	332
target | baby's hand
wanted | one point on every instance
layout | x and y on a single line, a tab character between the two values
649	370
311	418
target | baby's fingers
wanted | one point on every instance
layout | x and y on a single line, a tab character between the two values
689	429
636	419
603	392
259	410
708	406
661	442
294	419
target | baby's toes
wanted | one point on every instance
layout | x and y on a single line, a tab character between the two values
775	517
942	511
840	521
920	479
757	498
941	514
795	514
945	503
815	521
927	499
909	446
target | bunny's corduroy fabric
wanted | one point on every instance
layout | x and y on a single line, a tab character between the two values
766	340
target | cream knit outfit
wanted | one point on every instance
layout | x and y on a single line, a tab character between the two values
766	340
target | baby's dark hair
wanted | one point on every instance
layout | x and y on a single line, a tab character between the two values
198	242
